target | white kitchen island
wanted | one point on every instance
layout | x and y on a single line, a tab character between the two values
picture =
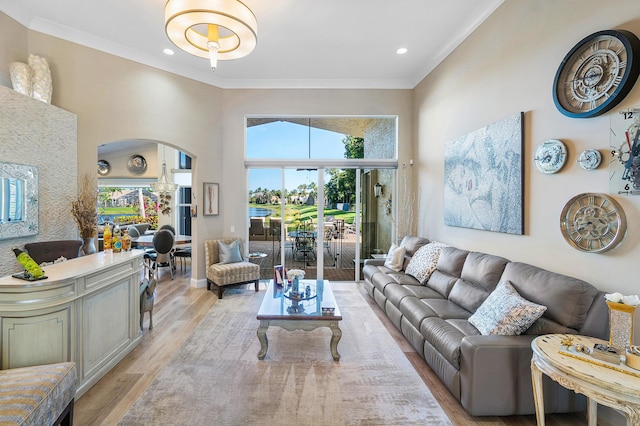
86	311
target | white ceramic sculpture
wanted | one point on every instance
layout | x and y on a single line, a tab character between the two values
21	78
42	87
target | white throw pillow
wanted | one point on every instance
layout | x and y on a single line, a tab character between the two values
229	253
505	312
395	258
424	261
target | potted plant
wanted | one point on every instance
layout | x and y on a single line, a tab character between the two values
84	211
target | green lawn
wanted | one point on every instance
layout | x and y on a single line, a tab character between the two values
300	213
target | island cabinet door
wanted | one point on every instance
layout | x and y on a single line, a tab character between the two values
106	325
43	337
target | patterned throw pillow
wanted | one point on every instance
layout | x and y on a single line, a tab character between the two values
424	261
395	258
229	253
505	312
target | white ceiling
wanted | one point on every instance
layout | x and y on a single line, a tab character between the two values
301	43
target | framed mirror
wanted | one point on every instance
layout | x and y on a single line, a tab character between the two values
18	200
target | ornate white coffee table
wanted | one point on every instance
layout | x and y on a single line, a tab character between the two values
302	312
616	386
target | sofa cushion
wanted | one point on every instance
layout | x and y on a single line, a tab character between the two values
412	243
567	299
446	309
505	312
480	276
444	337
229	253
422	292
415	311
395	258
424	261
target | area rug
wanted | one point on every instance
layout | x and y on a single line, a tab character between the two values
217	379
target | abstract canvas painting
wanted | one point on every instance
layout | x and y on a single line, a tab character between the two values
484	178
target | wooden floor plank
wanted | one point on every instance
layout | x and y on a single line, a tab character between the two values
178	310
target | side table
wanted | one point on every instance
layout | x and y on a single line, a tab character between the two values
616	386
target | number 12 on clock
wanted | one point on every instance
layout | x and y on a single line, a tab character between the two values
624	146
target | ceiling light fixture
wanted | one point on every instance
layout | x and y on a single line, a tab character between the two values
213	29
401	51
163	184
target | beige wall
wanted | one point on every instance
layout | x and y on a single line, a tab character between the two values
116	99
508	65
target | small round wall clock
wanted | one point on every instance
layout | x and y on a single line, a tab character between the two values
593	222
590	159
597	73
550	156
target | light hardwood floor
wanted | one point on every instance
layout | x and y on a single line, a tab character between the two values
178	310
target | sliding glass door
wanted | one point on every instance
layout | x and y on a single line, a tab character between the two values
312	198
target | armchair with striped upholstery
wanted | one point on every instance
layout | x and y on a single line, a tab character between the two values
222	275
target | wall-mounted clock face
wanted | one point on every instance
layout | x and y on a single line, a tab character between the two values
597	73
590	159
550	156
593	222
624	160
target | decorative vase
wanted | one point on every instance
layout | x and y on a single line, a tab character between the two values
21	76
296	284
620	325
42	85
88	246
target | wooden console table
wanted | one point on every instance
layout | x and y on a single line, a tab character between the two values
86	311
616	386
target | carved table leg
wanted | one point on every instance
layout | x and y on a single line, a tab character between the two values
336	335
262	337
536	379
592	412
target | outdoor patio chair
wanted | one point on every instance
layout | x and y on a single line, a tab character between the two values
256	227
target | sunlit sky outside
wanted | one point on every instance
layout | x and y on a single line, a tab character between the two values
289	141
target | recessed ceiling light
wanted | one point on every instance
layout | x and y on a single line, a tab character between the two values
167	51
401	51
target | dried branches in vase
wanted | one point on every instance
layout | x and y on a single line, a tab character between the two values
84	208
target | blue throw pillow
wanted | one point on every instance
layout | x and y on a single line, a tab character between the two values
229	253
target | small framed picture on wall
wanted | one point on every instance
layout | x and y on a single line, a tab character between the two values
211	198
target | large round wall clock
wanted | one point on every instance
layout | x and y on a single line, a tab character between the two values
597	73
593	222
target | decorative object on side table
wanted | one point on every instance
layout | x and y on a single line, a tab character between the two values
621	310
83	209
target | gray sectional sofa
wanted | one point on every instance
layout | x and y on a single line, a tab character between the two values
488	374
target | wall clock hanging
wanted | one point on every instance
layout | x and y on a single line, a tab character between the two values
597	73
137	164
624	143
550	156
593	222
590	159
103	167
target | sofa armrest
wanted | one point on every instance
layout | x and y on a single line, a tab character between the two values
503	361
375	262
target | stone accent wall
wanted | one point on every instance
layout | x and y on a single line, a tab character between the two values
39	134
